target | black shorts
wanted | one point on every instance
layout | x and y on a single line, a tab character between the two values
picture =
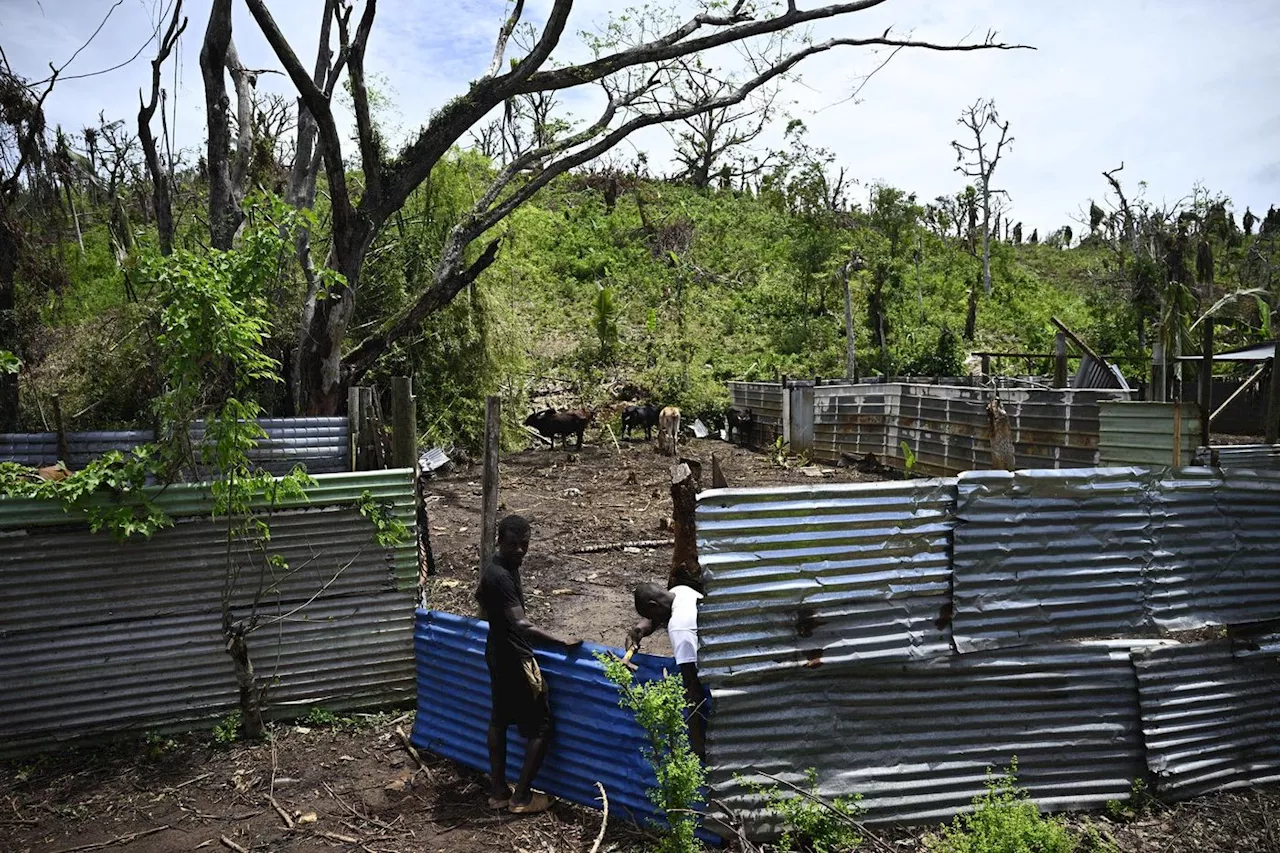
519	695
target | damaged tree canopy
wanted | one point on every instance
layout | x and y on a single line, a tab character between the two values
639	69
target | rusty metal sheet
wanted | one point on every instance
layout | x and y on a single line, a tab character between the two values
802	577
1210	721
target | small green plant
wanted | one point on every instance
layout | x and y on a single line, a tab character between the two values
780	452
810	823
659	709
908	459
321	717
227	730
1004	820
158	746
1140	803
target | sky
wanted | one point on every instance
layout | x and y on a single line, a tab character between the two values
1179	91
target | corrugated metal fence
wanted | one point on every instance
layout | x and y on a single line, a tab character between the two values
99	637
1249	456
901	638
948	428
321	444
595	740
764	400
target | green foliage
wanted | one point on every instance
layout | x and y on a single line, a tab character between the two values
321	717
659	709
158	746
1139	804
227	730
908	458
1004	820
810	823
107	493
9	363
389	530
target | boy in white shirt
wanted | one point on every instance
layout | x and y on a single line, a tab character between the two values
676	609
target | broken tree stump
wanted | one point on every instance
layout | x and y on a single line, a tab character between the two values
685	570
717	475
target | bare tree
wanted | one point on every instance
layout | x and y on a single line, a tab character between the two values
979	161
161	191
632	76
708	143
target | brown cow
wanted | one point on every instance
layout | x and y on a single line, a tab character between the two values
668	429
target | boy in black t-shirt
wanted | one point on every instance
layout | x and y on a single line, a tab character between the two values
518	690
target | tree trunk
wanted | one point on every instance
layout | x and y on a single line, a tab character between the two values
685	569
8	324
850	341
971	318
250	692
224	211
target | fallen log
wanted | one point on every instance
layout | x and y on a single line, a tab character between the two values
620	546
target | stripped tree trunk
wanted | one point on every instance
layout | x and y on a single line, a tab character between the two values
685	570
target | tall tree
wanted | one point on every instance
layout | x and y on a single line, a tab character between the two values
631	67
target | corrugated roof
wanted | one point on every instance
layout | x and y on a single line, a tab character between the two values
1253	352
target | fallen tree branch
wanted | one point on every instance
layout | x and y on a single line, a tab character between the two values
841	816
123	839
284	815
404	739
231	845
619	546
604	819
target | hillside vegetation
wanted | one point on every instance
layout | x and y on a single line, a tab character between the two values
610	277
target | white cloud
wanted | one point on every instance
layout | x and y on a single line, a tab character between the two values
1180	90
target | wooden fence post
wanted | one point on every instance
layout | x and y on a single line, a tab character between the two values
1273	402
489	503
404	427
353	426
1060	361
64	449
1206	381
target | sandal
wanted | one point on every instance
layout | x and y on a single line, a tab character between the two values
499	803
537	803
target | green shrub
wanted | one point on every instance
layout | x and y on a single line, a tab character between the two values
811	824
659	709
227	731
1004	820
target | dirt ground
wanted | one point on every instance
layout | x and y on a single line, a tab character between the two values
601	495
350	784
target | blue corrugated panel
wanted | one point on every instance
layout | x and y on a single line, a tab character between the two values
594	740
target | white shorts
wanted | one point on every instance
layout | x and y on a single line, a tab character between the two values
685	644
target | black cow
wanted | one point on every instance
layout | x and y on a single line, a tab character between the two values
551	423
739	420
645	417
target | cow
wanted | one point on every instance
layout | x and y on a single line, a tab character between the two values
738	420
645	417
550	423
669	429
